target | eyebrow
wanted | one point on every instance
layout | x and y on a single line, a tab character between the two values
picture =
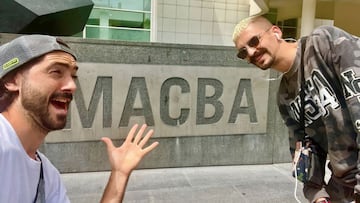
76	67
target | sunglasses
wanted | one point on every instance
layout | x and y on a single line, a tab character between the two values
253	42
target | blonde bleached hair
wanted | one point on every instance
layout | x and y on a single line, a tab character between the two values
244	23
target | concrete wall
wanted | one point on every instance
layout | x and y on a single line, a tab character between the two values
206	106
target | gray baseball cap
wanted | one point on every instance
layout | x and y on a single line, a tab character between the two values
26	48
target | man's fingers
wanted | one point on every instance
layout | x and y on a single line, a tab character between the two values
146	138
150	148
139	134
141	141
131	133
108	142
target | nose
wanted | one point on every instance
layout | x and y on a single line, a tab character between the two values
250	50
69	84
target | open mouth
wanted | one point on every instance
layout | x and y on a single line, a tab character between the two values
61	103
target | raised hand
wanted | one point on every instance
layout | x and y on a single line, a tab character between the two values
124	160
126	157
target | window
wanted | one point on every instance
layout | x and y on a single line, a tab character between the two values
287	26
119	20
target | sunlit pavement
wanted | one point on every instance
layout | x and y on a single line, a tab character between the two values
217	184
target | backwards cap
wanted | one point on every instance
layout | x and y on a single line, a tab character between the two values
26	48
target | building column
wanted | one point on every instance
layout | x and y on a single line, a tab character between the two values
153	21
308	17
104	25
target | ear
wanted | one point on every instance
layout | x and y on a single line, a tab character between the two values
12	82
277	32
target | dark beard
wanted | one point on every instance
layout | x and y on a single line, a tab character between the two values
36	105
260	52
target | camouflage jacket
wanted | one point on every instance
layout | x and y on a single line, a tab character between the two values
332	109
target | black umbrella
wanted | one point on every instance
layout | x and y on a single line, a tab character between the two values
52	17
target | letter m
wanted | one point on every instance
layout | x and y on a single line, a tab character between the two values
103	86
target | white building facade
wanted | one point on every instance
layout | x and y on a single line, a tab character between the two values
210	22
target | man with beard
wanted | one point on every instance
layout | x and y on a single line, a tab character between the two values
37	82
318	98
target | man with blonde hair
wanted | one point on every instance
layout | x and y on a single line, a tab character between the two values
318	99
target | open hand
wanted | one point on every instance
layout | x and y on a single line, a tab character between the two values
125	158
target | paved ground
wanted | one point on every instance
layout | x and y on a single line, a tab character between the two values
219	184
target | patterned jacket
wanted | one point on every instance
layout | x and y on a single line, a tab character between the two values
332	109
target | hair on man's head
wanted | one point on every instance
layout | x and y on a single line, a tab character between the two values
241	26
244	23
